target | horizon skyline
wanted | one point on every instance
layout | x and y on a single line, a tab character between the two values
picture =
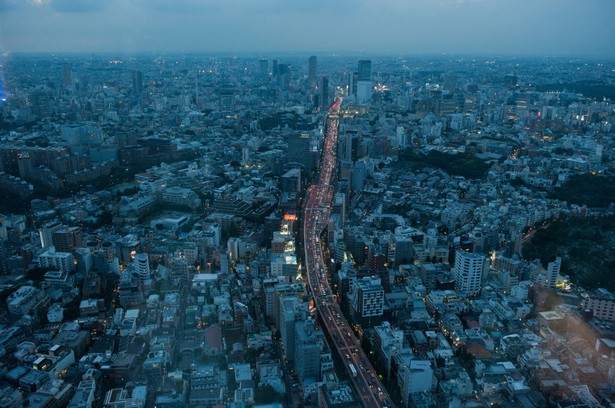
524	28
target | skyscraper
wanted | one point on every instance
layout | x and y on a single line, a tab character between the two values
137	83
312	71
324	92
363	84
263	68
365	70
299	150
67	77
468	271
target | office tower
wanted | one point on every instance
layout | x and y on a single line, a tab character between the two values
312	70
349	146
308	344
142	266
137	83
553	269
359	174
364	92
292	310
263	66
274	67
415	377
83	256
66	239
367	301
468	271
339	206
353	78
283	76
291	181
363	83
67	80
365	70
299	150
387	342
46	231
324	92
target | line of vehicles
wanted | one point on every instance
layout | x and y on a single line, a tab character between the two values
316	215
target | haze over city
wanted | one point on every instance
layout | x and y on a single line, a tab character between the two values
307	204
503	27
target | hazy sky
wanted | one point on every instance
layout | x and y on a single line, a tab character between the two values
571	27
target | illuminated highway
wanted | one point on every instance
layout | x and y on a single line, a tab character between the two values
317	209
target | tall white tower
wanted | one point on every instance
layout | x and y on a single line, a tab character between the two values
468	271
553	269
142	266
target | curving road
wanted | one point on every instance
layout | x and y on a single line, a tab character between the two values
316	216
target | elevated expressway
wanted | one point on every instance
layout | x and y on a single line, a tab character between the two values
316	213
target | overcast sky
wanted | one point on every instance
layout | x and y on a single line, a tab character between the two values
521	27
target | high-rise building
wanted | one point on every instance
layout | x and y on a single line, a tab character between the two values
339	206
67	80
292	310
387	342
364	92
263	66
324	92
414	376
312	71
291	181
308	345
66	239
46	231
365	70
284	76
553	269
367	300
349	143
299	150
468	271
137	83
142	266
60	261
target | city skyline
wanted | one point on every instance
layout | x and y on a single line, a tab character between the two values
546	27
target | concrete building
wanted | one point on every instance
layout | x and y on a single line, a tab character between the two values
292	310
414	376
24	300
553	269
142	266
308	345
61	261
367	300
387	343
468	271
601	302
